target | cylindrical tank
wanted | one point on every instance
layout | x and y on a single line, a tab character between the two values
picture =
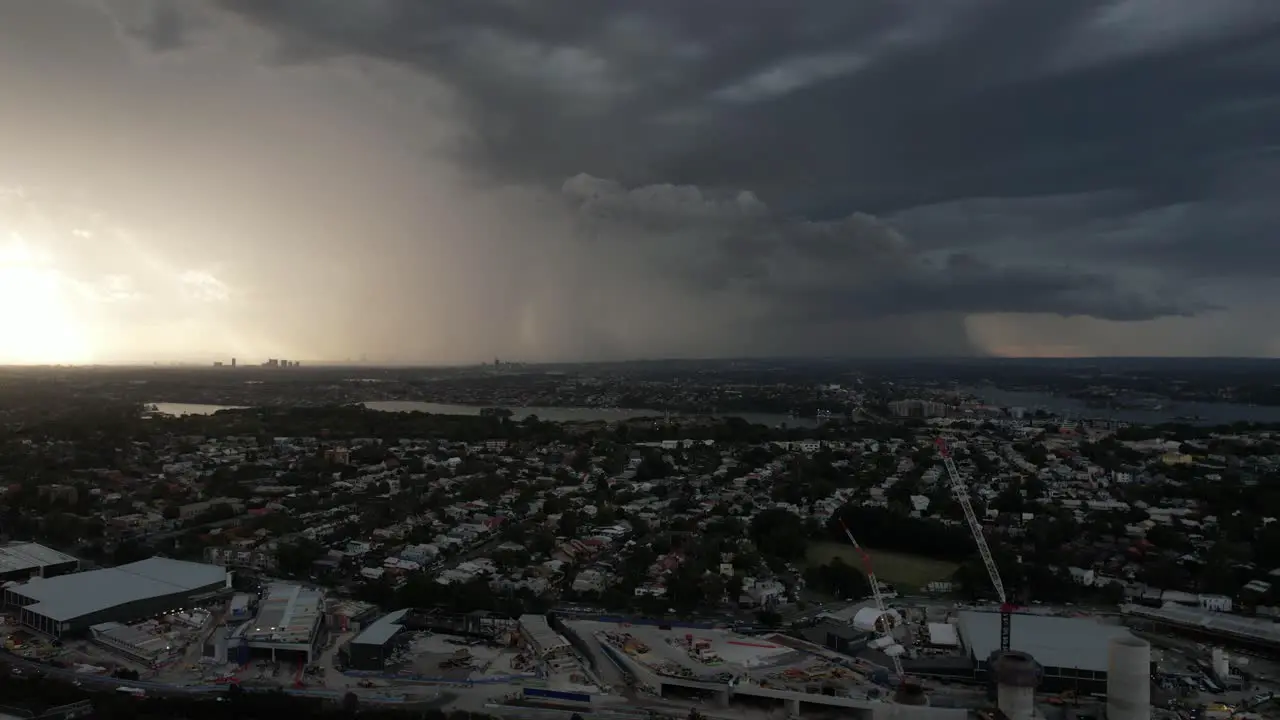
1129	679
1017	675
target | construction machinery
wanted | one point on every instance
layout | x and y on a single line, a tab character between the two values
892	648
961	492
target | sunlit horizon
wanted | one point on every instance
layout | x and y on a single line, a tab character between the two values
83	295
39	322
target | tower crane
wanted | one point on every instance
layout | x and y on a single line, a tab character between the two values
961	492
893	649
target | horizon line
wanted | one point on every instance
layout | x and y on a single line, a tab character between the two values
414	365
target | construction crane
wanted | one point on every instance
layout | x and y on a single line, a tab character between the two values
893	649
961	492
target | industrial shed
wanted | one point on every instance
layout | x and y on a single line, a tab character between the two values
1073	651
73	603
545	642
289	623
21	561
371	648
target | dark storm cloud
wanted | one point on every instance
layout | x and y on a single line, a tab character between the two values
558	88
829	107
742	177
856	266
922	101
165	29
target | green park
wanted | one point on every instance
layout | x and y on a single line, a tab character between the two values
904	571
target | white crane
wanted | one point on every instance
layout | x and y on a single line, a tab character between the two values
891	646
961	492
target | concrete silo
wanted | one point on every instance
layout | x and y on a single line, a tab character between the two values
1129	679
1017	676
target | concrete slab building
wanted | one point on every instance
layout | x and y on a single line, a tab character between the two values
1073	651
24	560
371	649
74	603
545	642
289	622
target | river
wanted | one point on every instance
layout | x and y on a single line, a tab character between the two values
180	409
1208	413
573	414
553	414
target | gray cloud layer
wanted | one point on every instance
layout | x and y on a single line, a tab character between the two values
572	178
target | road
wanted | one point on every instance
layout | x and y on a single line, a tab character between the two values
21	666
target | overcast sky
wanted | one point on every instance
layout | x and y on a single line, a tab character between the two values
583	179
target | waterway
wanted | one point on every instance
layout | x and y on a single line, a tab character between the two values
1204	413
575	414
180	409
552	414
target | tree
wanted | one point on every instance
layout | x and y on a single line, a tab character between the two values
569	524
769	618
1038	455
713	589
779	533
686	590
839	579
297	557
733	588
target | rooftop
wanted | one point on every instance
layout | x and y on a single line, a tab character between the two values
382	629
18	556
288	614
759	657
67	597
1060	642
143	639
1209	621
540	632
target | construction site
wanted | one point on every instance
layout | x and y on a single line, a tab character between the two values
148	648
425	655
722	658
420	646
884	659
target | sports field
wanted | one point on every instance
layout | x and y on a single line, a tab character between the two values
903	571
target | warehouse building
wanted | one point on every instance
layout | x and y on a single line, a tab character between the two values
21	561
74	603
1073	651
288	624
371	649
542	639
145	644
